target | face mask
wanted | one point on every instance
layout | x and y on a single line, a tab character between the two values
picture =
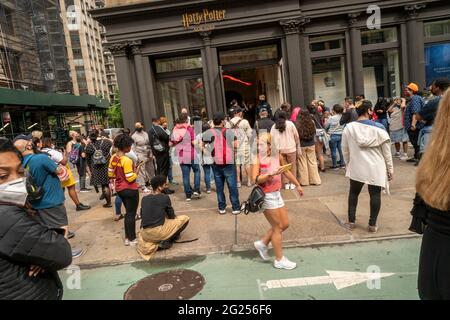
14	192
139	129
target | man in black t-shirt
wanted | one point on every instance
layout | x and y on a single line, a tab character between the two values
264	123
160	227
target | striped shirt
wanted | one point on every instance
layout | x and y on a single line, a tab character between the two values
122	170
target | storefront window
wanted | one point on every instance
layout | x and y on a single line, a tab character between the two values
182	93
329	80
381	74
437	61
178	64
248	55
437	28
379	36
334	41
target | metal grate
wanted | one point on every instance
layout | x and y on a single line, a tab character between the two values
171	285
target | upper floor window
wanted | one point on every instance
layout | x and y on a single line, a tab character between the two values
328	42
178	63
437	28
379	36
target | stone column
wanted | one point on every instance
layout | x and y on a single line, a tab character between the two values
305	56
415	45
210	74
128	98
291	30
145	85
354	39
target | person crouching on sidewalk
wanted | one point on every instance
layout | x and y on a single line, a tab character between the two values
160	227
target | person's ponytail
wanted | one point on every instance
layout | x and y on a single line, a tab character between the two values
280	124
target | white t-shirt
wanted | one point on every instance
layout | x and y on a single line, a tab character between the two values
56	156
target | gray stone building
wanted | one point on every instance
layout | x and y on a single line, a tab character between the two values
202	54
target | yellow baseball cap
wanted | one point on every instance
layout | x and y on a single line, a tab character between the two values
413	87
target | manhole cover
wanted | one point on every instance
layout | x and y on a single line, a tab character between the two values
171	285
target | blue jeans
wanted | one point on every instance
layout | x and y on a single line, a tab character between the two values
384	122
118	205
186	170
424	137
226	173
170	174
207	169
335	143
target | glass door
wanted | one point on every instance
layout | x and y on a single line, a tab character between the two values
176	94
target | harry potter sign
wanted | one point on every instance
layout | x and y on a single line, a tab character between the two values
203	17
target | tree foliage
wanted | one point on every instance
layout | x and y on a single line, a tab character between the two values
115	118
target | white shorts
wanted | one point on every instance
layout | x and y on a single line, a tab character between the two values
273	200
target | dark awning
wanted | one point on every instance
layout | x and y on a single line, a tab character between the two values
50	100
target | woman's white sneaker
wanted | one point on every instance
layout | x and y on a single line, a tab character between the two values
262	249
284	263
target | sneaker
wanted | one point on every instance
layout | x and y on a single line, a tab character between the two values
249	184
133	243
262	250
146	190
119	217
76	253
293	187
287	186
107	205
236	212
222	211
82	207
102	196
85	190
372	229
196	195
208	191
404	157
411	160
239	184
350	225
397	155
284	263
70	235
188	199
174	183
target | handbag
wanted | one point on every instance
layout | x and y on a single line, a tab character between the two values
157	144
255	201
322	134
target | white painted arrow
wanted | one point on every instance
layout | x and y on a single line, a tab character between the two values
341	279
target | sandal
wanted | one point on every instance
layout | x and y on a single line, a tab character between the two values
119	217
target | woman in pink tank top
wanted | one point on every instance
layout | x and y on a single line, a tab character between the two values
266	173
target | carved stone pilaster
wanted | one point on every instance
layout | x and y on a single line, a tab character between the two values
206	36
135	47
353	18
412	10
293	26
118	49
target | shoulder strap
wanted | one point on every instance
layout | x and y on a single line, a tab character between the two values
25	163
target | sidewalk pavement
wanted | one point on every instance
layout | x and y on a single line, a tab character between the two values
313	220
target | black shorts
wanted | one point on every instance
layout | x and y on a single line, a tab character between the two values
55	217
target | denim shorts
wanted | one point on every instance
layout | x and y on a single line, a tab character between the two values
273	200
399	136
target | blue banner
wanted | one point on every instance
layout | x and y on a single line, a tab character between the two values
437	62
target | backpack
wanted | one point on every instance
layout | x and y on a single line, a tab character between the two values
255	201
74	155
223	153
98	158
34	192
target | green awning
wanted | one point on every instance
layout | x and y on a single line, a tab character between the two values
55	100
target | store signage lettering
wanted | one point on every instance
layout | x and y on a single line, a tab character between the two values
203	17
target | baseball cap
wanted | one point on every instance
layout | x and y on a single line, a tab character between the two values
26	137
219	116
413	87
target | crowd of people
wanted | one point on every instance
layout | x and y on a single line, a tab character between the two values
279	149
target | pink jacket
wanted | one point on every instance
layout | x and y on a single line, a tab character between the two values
182	137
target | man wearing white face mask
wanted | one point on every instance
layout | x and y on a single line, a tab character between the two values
50	206
30	253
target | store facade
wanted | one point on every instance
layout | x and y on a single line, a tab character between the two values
203	54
